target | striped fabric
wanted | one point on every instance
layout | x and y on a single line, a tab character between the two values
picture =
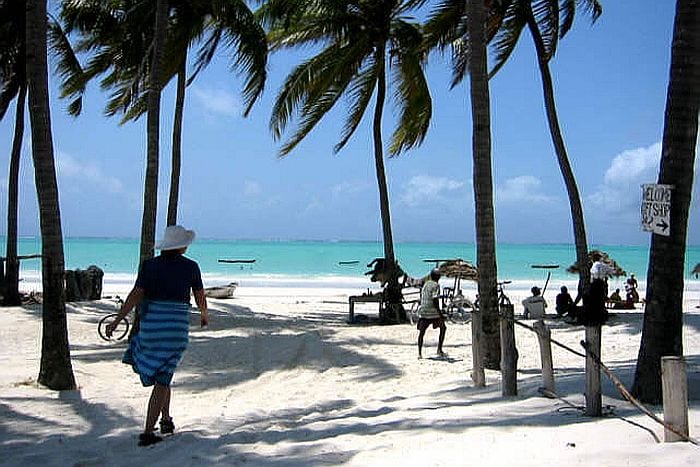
155	351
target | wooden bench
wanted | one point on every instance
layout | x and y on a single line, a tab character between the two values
364	298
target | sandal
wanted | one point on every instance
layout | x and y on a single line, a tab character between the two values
166	426
148	438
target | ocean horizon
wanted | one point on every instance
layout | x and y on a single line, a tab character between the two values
329	263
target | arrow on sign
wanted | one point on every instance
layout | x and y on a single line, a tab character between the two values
663	225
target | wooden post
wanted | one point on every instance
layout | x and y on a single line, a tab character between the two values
478	376
509	352
544	336
674	383
594	402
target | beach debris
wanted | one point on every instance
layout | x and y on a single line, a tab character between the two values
696	271
84	284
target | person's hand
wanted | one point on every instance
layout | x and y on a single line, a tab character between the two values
109	330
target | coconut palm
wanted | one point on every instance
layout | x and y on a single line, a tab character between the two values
547	21
360	42
112	31
490	348
662	332
13	85
55	369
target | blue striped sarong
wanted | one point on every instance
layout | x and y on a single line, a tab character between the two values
155	351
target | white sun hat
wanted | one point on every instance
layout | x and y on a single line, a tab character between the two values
175	237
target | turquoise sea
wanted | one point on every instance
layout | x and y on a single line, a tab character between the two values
290	261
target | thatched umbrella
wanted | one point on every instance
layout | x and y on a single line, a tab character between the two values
696	270
617	269
459	269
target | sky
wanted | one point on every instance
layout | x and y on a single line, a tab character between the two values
610	82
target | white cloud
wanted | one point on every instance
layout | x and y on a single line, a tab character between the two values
68	167
425	189
251	188
523	189
620	191
217	101
347	188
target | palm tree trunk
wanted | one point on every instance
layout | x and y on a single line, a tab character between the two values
177	144
567	173
150	192
483	187
55	370
11	290
393	312
662	330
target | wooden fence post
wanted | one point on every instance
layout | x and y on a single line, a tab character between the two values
544	335
594	402
674	384
478	377
509	352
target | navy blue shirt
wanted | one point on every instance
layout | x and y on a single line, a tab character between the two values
169	277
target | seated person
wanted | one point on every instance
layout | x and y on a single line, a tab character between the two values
615	299
564	302
534	305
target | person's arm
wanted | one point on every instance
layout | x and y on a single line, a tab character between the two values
201	301
133	299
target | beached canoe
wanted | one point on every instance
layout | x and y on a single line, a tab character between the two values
222	291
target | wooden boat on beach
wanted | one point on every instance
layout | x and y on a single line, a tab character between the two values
222	291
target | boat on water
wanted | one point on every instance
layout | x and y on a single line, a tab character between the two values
221	291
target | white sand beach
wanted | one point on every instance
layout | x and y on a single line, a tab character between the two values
280	378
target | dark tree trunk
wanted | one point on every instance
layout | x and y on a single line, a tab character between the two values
567	173
55	370
177	145
663	315
483	187
11	295
393	312
150	192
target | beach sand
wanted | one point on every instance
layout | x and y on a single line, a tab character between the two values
280	378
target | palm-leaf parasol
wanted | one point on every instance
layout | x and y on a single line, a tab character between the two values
617	269
696	270
459	268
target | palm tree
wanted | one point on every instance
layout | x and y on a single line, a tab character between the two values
55	369
662	332
14	86
108	30
467	27
548	21
360	40
483	190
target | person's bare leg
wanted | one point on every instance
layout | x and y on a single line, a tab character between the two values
165	411
421	335
155	405
441	339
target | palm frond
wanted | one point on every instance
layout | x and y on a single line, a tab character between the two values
546	13
412	95
68	67
359	93
506	39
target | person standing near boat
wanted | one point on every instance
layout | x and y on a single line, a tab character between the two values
162	288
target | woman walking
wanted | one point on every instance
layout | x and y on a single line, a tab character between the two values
162	288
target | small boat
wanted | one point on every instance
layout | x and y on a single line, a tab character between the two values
221	291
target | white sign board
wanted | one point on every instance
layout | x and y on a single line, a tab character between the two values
656	208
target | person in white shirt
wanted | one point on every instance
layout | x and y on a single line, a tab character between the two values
534	305
596	312
429	312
